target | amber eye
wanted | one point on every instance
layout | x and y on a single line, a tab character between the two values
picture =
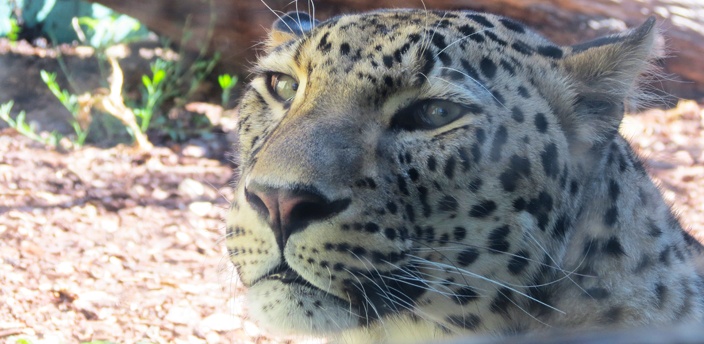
283	86
429	114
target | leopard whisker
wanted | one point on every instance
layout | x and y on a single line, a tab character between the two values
474	80
277	15
457	41
478	276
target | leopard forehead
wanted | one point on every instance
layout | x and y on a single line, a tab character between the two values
377	54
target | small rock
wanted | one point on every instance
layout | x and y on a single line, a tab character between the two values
191	188
183	315
64	268
684	158
159	194
251	329
183	238
200	208
219	322
98	298
194	151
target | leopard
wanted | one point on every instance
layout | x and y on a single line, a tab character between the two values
408	175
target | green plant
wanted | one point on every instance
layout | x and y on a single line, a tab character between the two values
154	89
227	82
178	80
25	128
70	102
14	33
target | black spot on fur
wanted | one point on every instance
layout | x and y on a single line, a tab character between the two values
518	167
324	46
507	66
428	63
423	196
574	187
471	71
500	140
614	190
497	240
450	167
541	207
496	38
465	295
389	81
512	25
488	67
438	40
550	51
445	59
388	61
613	315
391	207
665	255
469	32
660	295
597	293
483	209
398	54
522	48
541	123
459	233
611	216
481	135
476	153
503	300
448	204
644	264
371	227
467	256
519	262
401	182
453	74
480	19
475	185
344	48
432	163
410	213
561	227
517	115
549	157
523	92
613	247
413	174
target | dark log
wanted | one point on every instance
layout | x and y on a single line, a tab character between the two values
238	25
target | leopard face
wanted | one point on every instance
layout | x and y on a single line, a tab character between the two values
433	173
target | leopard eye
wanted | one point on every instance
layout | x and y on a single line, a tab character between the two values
428	114
283	86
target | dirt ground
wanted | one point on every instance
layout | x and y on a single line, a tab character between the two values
111	244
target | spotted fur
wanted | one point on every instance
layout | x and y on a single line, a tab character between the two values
526	213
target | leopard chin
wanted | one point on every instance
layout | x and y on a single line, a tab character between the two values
294	308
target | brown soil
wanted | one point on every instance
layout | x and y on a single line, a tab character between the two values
123	246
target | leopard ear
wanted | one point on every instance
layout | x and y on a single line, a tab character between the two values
290	26
603	77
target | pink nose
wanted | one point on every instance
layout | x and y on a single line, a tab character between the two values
290	210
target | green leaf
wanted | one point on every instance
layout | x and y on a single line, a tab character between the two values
146	81
224	80
159	76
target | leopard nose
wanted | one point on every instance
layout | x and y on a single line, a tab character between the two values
290	210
